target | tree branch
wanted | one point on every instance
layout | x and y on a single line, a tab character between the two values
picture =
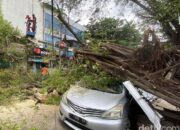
145	16
142	6
67	25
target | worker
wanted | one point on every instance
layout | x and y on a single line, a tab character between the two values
44	71
34	20
28	23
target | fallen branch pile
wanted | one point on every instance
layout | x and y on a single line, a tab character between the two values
150	68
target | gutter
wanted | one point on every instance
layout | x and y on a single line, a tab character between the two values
152	114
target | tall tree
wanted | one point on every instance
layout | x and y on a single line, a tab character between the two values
114	29
166	12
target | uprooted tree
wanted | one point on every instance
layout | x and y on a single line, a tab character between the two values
151	67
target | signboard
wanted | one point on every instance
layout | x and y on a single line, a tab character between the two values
35	60
38	60
40	51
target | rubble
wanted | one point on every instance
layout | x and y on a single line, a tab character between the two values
43	97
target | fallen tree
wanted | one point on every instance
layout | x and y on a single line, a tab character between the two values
151	67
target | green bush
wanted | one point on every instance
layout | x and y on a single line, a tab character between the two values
7	32
10	77
10	86
11	125
87	73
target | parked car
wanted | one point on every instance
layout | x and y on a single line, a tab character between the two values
90	109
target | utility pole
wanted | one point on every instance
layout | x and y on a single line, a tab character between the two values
61	34
52	18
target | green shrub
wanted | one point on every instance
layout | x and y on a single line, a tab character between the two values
10	77
11	125
89	75
10	86
7	32
54	100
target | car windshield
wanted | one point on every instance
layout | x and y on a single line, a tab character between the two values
113	88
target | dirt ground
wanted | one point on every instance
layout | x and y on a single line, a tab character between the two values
27	116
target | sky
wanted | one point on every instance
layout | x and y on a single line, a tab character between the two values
109	10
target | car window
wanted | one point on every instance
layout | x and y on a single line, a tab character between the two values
113	88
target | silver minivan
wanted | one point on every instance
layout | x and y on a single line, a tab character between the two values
89	109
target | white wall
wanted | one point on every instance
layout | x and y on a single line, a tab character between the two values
15	11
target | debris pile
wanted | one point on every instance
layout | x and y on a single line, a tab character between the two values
33	91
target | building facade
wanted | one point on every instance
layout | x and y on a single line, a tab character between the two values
15	11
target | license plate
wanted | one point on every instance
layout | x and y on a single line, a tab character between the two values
78	119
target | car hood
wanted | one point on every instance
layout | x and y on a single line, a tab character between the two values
94	99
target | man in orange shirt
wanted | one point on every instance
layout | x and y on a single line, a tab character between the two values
44	71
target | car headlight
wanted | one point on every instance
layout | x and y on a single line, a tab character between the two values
114	113
64	98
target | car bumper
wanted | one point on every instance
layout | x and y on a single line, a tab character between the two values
93	123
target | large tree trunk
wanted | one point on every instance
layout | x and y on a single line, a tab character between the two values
174	35
68	26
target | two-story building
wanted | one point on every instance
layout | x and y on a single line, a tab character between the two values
15	11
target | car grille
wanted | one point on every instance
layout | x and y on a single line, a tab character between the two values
85	111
